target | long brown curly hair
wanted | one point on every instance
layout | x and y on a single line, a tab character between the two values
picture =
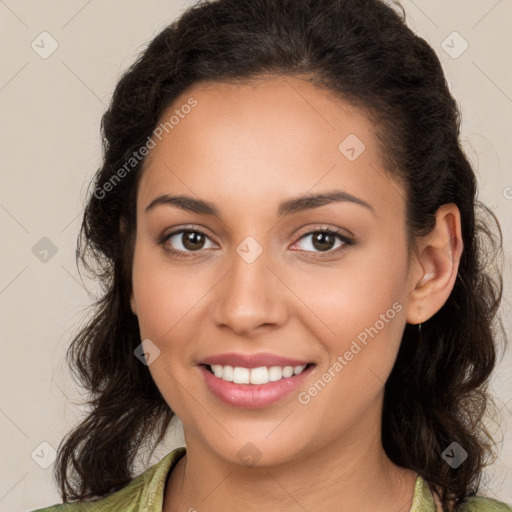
362	51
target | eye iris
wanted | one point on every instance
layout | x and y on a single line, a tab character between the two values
323	241
192	240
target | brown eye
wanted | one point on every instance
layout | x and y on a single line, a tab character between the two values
185	241
324	241
192	240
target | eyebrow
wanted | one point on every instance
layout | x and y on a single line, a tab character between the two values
291	206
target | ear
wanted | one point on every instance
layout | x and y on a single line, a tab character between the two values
434	274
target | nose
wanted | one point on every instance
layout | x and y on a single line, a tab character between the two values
250	298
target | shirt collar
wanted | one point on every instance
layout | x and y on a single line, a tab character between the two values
423	500
151	498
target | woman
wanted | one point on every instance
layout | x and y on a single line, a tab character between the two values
285	226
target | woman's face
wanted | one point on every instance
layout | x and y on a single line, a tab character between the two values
258	284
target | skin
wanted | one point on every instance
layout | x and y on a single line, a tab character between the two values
246	148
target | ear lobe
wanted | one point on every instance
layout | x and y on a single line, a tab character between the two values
438	264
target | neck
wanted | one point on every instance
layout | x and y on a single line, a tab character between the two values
351	475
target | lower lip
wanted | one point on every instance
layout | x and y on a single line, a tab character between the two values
252	396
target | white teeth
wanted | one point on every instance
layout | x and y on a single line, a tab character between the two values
260	375
275	373
287	371
217	370
227	373
241	375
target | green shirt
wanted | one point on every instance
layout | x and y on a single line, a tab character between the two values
145	494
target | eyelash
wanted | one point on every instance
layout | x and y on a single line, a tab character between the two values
347	242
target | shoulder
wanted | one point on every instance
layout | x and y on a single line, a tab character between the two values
427	501
143	493
483	504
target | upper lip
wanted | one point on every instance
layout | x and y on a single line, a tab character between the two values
252	360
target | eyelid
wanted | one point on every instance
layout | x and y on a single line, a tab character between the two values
344	233
181	229
347	240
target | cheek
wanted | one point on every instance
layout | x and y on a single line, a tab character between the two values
164	294
339	304
367	324
359	317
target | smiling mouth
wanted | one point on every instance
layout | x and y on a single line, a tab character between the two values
255	376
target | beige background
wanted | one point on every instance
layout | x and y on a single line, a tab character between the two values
51	110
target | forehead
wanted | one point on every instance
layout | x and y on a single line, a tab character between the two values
263	140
